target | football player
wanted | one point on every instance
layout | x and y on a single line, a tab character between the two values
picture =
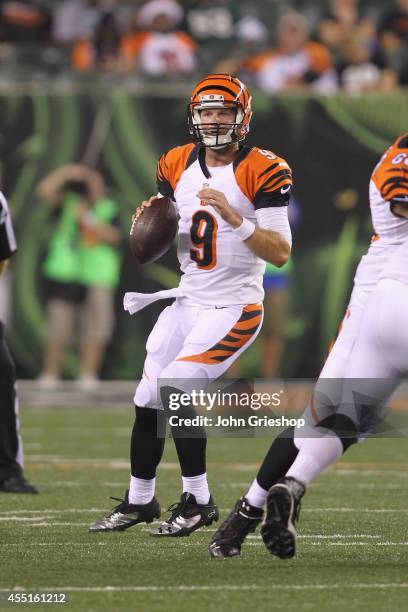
297	456
231	201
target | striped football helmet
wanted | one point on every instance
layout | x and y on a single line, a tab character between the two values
219	91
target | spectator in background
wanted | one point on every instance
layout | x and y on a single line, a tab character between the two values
100	51
24	22
75	19
295	64
393	35
213	25
360	71
159	48
81	268
250	37
342	19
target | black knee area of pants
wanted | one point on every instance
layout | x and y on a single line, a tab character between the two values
7	367
9	442
343	427
147	442
190	440
278	459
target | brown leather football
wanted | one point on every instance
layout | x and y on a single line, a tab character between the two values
153	232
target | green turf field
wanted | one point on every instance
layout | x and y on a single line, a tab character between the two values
352	552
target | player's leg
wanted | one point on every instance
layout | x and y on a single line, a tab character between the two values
369	381
285	447
11	469
219	336
148	433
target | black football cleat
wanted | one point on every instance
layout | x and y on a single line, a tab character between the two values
126	515
17	484
187	516
229	537
282	512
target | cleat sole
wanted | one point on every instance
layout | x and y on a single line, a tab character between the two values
278	532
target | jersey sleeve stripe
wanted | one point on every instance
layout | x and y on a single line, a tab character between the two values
276	178
394	183
268	169
170	167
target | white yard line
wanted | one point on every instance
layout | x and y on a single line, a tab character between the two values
376	510
223	587
8	513
51	511
319	536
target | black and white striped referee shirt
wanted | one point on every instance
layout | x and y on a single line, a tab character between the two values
8	244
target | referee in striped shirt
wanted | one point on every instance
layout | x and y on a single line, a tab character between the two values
11	456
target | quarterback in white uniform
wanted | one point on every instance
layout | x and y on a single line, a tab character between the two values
231	201
366	348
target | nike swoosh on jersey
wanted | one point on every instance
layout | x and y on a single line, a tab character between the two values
285	189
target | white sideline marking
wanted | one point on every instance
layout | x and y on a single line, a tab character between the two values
353	472
76	483
66	544
23	518
225	587
45	524
50	511
360	543
8	513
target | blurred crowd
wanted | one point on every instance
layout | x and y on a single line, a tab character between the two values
319	45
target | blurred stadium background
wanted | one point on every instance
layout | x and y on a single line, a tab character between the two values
118	113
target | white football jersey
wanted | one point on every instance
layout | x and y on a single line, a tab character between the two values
217	267
388	184
397	264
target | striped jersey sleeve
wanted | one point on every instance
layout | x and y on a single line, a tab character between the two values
8	243
391	173
170	167
264	178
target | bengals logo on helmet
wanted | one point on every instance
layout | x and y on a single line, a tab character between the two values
219	91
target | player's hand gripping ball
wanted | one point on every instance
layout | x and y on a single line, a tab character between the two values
154	227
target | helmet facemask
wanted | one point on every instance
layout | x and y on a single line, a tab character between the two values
216	135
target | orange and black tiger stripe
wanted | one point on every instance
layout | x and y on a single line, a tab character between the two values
230	87
243	330
170	167
391	173
264	178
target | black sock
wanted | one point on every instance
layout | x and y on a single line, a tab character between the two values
190	440
278	459
147	442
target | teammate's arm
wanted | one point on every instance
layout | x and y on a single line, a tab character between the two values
267	244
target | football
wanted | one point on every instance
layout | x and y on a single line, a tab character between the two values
153	232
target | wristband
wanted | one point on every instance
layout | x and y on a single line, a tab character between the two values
245	230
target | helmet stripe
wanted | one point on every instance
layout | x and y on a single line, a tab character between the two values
220	87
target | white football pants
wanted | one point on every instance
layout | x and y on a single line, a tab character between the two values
191	342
